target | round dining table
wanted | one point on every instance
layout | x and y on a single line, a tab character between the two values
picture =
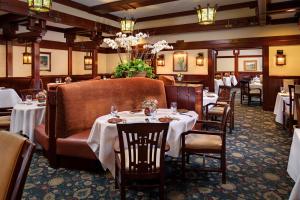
103	134
26	117
8	98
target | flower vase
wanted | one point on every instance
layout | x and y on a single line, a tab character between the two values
147	111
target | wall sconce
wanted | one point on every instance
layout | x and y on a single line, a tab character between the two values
280	58
200	59
26	56
88	61
160	60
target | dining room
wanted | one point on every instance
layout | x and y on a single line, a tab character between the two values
111	99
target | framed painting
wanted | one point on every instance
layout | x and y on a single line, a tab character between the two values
250	65
45	61
180	62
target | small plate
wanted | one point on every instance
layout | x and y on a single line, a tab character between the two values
115	120
182	110
165	119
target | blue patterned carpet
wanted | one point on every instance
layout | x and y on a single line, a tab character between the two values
257	156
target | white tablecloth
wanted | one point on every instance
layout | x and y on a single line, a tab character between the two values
218	82
207	100
233	80
8	98
103	134
26	117
294	165
278	109
227	81
254	85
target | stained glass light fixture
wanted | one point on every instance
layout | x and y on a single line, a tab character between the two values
26	56
39	5
200	59
206	15
88	61
280	58
127	25
160	60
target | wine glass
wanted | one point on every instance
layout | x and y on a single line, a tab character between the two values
28	99
174	107
114	110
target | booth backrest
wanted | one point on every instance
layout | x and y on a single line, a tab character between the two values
78	105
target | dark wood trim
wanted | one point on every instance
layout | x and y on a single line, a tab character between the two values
35	65
95	63
20	8
85	8
70	57
283	6
236	62
250	4
211	69
126	5
284	21
195	27
262	12
9	58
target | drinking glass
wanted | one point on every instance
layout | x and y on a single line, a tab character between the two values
28	99
57	80
153	112
114	110
174	107
282	89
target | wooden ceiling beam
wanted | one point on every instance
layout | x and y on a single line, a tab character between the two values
21	8
119	5
249	4
262	12
283	6
195	27
85	8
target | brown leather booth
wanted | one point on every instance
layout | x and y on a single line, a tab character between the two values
73	108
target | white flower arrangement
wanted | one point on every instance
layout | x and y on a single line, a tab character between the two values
129	42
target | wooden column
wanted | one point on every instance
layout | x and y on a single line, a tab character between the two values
266	77
70	61
9	59
95	63
236	54
211	69
35	65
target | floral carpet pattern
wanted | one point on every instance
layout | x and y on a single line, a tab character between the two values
257	156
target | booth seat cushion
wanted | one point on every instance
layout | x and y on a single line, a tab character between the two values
41	136
75	146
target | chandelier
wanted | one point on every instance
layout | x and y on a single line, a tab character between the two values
206	15
39	5
127	25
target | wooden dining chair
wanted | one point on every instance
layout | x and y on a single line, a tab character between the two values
5	118
16	154
215	110
249	93
288	110
224	93
202	142
140	156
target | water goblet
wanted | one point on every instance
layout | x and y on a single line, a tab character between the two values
114	110
174	107
153	112
28	99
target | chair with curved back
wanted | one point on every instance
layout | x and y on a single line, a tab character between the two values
32	92
224	93
140	157
201	142
288	110
5	118
248	92
168	80
16	154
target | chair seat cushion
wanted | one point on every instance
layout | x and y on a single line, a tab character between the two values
4	121
253	91
211	142
75	146
216	110
157	160
41	136
222	102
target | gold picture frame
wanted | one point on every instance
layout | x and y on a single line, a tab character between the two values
250	65
180	61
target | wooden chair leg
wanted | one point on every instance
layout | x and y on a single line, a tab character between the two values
183	164
122	190
162	189
188	158
223	168
283	121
